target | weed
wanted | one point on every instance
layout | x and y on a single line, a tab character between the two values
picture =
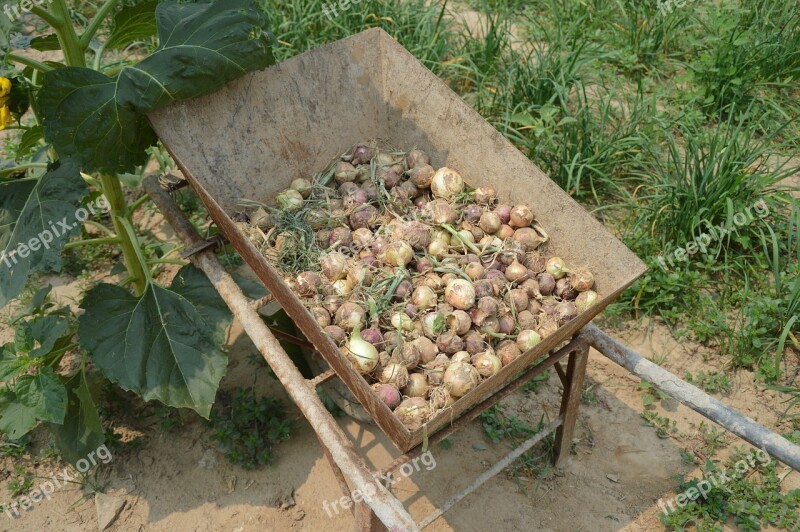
752	499
249	428
716	382
21	481
663	425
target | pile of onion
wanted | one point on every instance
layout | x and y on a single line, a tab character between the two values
428	287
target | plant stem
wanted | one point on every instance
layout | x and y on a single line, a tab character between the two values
93	242
65	31
95	23
138	203
167	261
128	240
27	61
101	227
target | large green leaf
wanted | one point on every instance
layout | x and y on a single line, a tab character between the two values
32	212
133	23
11	365
202	46
43	394
84	119
163	345
16	420
81	433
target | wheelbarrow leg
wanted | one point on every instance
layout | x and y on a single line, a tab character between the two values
570	401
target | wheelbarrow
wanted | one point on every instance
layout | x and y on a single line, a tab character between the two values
252	138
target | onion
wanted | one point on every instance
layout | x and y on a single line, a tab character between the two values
490	222
332	303
485	195
394	374
417	386
413	413
547	284
421	175
483	288
564	289
504	212
506	324
345	173
460	379
341	236
416	158
505	232
355	199
447	183
441	212
401	321
547	326
334	266
461	356
336	333
398	254
289	200
426	348
473	343
423	265
459	322
361	354
581	280
384	159
360	274
521	216
487	364
449	342
372	336
350	316
343	287
527	320
475	270
379	245
362	154
435	369
516	272
308	283
586	300
528	238
531	287
363	238
403	290
416	234
527	340
370	190
566	311
303	186
441	398
433	323
490	325
460	293
321	316
556	267
388	177
472	213
408	189
536	263
423	297
365	216
507	352
534	307
437	248
433	281
408	355
389	395
517	299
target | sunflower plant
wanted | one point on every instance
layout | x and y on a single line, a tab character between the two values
87	126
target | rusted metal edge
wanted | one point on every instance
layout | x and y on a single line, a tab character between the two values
744	427
478	409
491	472
385	505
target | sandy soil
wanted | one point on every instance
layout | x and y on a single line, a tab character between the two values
177	480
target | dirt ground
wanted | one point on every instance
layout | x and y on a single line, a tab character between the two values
177	480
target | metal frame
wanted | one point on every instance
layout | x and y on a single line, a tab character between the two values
383	511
